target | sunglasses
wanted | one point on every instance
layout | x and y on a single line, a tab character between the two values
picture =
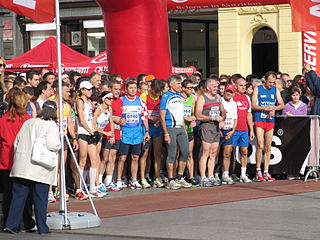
109	98
190	88
2	65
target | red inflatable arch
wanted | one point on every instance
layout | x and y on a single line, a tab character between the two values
138	36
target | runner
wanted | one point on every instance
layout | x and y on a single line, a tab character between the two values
211	113
171	117
264	101
86	133
134	131
111	144
152	100
241	134
228	129
101	118
189	102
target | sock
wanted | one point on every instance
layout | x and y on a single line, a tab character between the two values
265	171
85	174
179	176
225	174
243	171
108	180
100	178
170	179
92	176
258	169
147	175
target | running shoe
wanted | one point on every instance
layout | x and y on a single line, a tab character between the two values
96	194
51	198
195	182
149	180
227	180
119	185
145	184
184	183
235	178
157	183
173	185
102	188
245	179
80	195
268	177
113	188
125	183
205	182
57	196
214	181
259	177
135	185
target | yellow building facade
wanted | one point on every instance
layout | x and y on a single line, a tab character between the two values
237	28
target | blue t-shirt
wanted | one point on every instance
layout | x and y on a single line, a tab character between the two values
173	104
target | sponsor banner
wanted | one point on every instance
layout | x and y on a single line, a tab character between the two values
40	11
187	70
311	49
305	15
290	146
207	4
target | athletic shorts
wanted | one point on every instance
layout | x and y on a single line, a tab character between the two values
190	136
86	138
223	140
106	144
209	132
240	139
266	126
135	149
155	132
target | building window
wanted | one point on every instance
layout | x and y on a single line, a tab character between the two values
38	37
96	41
8	36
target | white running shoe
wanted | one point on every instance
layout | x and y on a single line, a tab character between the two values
245	179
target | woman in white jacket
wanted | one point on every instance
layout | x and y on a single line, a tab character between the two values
30	177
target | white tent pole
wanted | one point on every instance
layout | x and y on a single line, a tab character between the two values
62	203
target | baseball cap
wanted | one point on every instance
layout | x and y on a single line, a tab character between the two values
231	88
86	85
150	78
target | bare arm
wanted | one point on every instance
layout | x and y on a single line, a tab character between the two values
280	101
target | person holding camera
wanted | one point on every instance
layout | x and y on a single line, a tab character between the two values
88	138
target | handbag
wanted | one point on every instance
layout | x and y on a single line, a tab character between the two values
41	155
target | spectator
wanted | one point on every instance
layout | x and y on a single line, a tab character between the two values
30	178
295	107
10	124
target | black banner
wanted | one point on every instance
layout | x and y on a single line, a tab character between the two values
290	146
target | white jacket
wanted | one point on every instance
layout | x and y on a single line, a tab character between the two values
23	145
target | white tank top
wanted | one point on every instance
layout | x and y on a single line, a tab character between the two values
103	119
88	117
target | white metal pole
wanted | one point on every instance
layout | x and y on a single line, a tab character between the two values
63	203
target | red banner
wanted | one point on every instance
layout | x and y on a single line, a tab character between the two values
305	15
39	11
206	4
311	49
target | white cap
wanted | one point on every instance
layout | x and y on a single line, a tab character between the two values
85	84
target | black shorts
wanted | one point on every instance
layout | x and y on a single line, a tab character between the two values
190	136
86	138
135	149
106	144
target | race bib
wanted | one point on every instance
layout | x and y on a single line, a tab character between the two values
214	112
90	115
154	114
228	123
132	117
117	127
187	110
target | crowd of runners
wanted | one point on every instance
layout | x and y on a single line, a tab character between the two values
145	132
